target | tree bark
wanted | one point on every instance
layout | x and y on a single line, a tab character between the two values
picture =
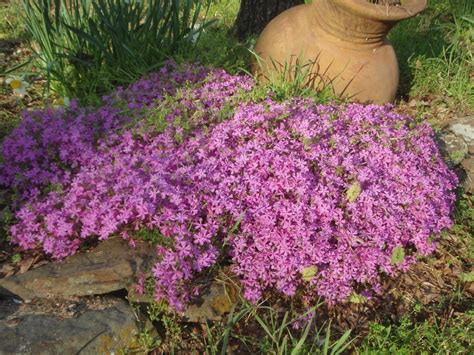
254	15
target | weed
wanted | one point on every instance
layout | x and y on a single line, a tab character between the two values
147	341
296	77
281	337
215	340
160	313
16	258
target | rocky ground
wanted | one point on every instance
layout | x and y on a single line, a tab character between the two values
85	303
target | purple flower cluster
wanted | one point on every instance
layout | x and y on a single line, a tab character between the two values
298	196
50	145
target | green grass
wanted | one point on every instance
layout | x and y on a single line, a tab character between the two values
273	332
11	26
217	46
435	54
428	337
219	49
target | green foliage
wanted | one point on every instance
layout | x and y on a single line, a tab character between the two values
154	237
84	48
467	276
147	341
16	258
398	255
428	337
464	214
6	218
463	229
217	46
213	341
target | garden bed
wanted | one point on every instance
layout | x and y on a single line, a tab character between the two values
218	144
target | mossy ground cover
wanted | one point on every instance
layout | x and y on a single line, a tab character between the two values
427	310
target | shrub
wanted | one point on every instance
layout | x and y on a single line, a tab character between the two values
320	199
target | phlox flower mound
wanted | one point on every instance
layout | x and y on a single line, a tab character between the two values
49	145
321	199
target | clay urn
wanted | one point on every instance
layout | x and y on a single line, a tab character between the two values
341	43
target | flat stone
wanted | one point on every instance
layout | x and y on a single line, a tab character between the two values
463	127
113	265
217	300
468	166
453	147
94	331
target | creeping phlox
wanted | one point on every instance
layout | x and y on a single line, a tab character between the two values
318	198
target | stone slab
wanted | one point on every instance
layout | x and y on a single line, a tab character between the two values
103	331
113	265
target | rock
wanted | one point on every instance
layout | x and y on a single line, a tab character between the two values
468	166
212	304
113	265
464	128
94	331
470	288
8	305
215	300
454	148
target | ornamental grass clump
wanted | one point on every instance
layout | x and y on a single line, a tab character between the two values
320	200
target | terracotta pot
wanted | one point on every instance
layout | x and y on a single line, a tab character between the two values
340	42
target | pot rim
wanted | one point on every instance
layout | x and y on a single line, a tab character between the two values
364	8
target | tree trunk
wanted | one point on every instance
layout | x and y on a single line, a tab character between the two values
254	15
